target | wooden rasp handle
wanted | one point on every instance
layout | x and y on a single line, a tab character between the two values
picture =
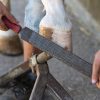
16	28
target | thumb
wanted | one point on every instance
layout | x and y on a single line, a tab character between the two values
95	72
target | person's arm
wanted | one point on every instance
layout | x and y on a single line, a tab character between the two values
5	12
96	70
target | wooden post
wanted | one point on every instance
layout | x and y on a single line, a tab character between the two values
13	73
9	41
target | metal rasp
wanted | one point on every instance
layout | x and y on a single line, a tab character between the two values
51	48
56	51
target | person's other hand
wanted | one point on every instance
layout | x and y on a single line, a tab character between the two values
5	12
96	70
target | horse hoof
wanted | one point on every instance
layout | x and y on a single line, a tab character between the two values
10	43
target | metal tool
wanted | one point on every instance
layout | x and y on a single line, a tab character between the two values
56	51
52	49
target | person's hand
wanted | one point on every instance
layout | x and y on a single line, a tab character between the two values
96	70
5	12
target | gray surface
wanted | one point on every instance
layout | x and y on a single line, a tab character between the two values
79	85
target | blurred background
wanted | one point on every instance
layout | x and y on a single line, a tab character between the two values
93	7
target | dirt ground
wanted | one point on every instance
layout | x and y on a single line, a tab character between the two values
79	85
